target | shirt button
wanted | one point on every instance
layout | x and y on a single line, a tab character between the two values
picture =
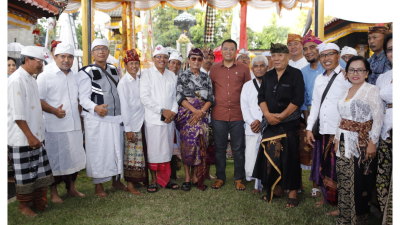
228	77
229	109
229	101
228	93
228	84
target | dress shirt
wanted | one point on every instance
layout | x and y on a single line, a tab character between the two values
23	104
132	109
249	105
204	71
56	88
157	91
379	65
299	64
309	76
385	85
252	76
329	113
227	85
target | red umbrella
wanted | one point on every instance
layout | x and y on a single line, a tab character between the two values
218	54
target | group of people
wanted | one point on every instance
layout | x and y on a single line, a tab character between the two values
303	105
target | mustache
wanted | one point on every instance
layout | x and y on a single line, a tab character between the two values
208	63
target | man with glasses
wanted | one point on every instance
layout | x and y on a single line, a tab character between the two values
243	56
324	161
280	98
58	91
26	133
158	95
310	72
227	79
347	53
104	139
294	43
378	61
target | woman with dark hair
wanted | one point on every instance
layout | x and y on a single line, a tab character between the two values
384	177
360	124
11	66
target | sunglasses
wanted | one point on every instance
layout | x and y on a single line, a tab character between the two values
199	59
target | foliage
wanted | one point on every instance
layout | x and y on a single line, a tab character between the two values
43	29
79	34
164	31
300	22
327	18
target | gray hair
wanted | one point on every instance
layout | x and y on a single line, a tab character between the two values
259	58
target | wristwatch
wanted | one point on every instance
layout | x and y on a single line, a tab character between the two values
162	110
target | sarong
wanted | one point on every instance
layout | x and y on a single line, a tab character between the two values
32	168
305	150
163	172
135	169
38	198
210	153
10	169
384	179
252	146
194	140
354	189
278	160
324	168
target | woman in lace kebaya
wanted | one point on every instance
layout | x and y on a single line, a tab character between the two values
384	177
361	120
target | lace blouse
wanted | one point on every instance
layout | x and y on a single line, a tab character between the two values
384	83
188	84
365	105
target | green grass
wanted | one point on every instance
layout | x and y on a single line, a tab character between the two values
223	206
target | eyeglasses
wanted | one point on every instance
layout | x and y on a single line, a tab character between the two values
261	66
100	50
345	58
161	57
329	54
244	57
36	59
359	71
229	49
199	59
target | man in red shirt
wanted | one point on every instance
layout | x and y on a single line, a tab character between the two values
227	79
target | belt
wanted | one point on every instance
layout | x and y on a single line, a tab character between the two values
389	105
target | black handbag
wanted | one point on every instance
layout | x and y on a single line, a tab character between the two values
315	129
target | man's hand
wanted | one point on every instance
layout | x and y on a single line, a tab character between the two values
59	112
306	113
131	137
197	116
336	145
34	142
169	116
255	126
272	119
310	138
371	150
101	110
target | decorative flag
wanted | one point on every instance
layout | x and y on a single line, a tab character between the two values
147	36
243	26
209	24
235	28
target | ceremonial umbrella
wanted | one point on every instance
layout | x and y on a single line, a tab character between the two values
14	50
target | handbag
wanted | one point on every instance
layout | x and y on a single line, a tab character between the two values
315	129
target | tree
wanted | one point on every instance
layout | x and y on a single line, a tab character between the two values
43	29
164	30
300	23
79	34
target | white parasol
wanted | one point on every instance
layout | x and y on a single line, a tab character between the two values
14	50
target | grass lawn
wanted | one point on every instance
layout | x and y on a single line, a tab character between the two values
223	206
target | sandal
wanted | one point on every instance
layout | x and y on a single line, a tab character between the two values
239	185
292	201
186	186
217	184
152	186
171	185
314	192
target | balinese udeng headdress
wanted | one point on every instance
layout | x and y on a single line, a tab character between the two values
195	51
378	29
311	38
208	51
279	48
54	44
131	55
294	37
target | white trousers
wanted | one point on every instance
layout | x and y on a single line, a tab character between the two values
252	146
160	142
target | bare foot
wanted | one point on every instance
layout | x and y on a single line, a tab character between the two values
320	203
131	189
75	193
55	198
119	186
99	191
333	213
26	210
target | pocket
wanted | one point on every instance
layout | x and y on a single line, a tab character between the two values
285	93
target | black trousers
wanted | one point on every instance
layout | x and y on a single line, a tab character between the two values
236	130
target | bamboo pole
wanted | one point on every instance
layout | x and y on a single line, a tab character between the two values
85	38
321	20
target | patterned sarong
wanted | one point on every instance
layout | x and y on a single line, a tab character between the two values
194	139
32	168
163	172
135	160
38	198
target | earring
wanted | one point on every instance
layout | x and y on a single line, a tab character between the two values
366	77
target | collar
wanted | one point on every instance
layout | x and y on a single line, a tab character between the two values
235	62
203	70
130	77
381	55
24	73
54	68
301	59
156	70
336	70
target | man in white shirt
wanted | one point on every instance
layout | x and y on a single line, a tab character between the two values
328	115
132	112
174	65
58	92
297	59
252	116
158	95
347	53
208	61
104	140
243	56
26	133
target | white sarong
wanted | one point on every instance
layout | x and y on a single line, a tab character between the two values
104	143
65	152
160	142
252	146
